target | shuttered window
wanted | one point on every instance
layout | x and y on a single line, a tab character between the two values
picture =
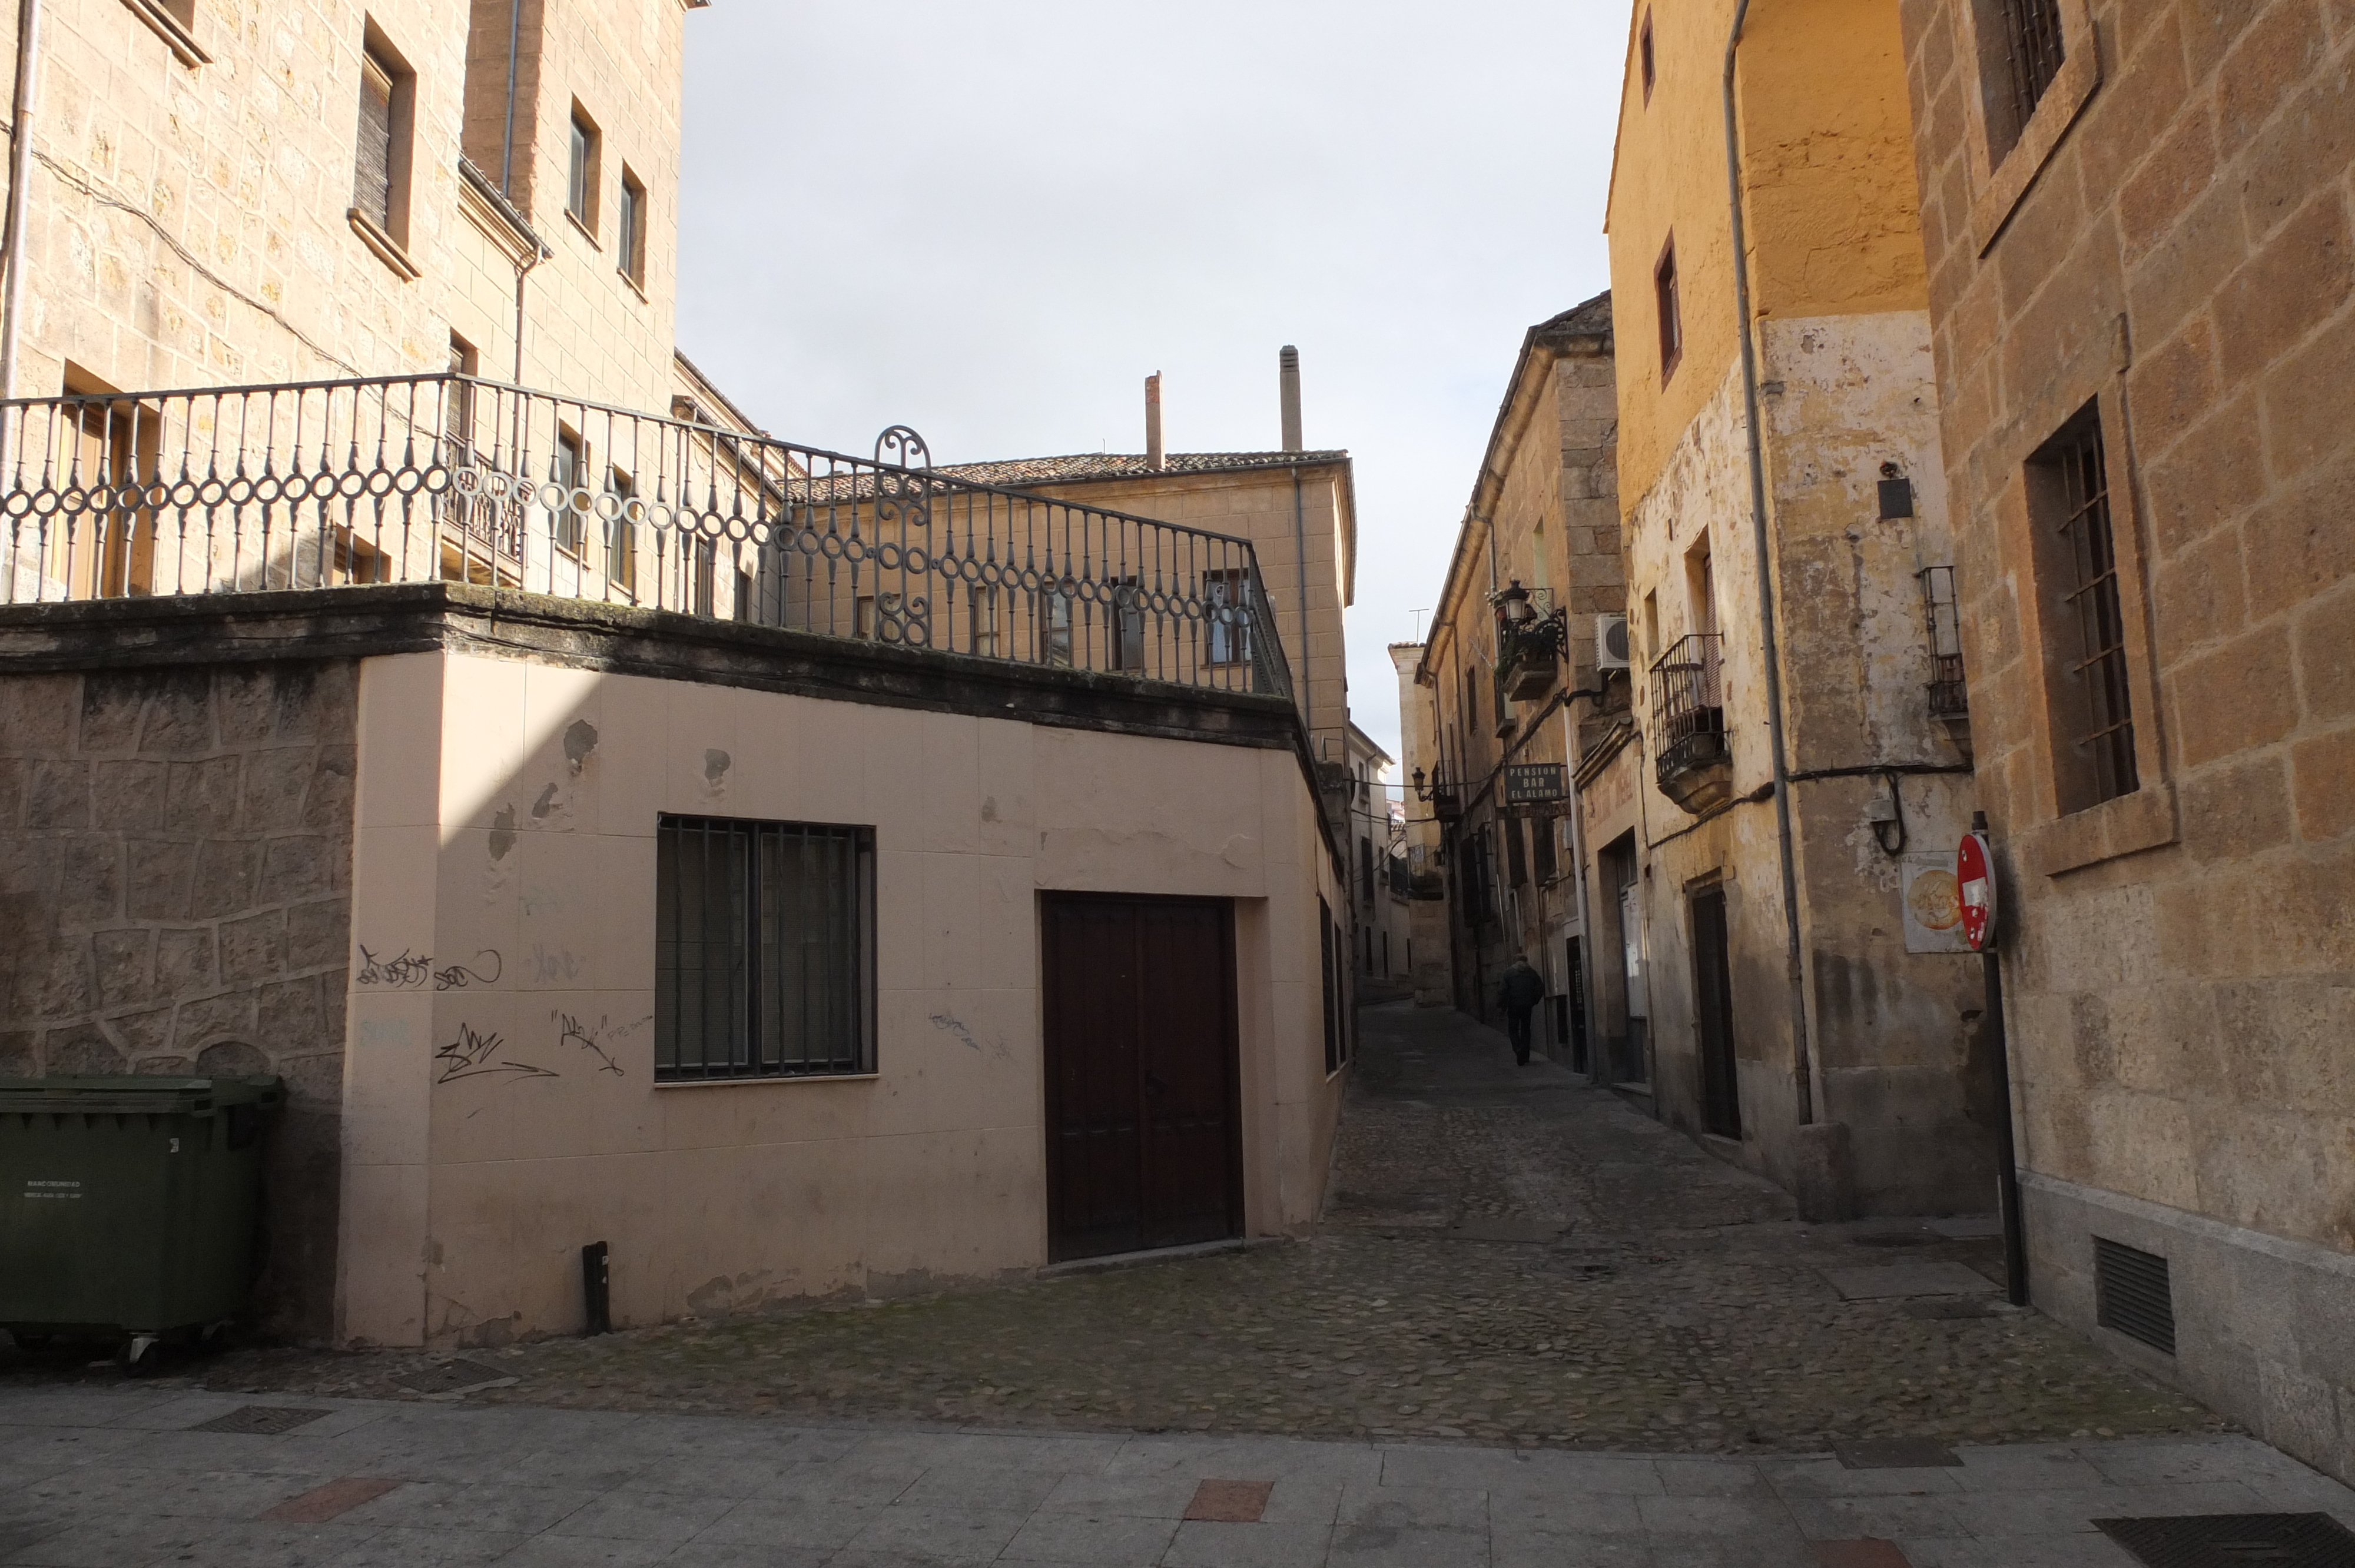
763	949
372	170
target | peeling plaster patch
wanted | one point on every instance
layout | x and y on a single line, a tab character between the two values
579	740
989	807
718	1296
1241	852
503	833
545	804
716	764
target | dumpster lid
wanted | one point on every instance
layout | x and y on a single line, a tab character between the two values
147	1095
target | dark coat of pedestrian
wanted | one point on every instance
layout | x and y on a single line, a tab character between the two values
1518	991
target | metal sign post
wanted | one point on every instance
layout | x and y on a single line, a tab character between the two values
1975	878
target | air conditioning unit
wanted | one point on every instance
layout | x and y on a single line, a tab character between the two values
1610	642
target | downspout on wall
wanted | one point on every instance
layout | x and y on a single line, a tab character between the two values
1821	1176
506	148
20	173
1287	376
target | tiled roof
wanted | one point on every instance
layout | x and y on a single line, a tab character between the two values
1018	473
1593	316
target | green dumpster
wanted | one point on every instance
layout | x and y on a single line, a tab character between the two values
131	1204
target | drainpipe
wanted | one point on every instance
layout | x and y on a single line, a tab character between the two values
1287	377
1805	1069
1585	907
20	173
523	275
506	148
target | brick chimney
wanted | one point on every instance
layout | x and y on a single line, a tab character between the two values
1153	457
1288	374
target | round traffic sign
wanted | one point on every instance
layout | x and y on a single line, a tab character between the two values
1974	882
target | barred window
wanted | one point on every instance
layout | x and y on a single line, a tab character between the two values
765	949
2028	34
2092	707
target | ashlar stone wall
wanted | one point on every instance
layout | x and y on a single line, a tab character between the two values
175	886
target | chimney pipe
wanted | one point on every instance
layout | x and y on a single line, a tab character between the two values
1289	375
1154	458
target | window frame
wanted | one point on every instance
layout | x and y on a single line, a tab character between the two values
629	234
747	1059
385	234
2089	691
1226	642
621	533
2004	159
1668	308
2051	841
174	22
584	146
568	530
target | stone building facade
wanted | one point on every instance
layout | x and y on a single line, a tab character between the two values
443	745
190	214
2142	295
1809	1008
1543	521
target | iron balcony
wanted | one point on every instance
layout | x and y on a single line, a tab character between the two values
450	478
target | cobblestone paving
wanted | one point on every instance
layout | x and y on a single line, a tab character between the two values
1507	1256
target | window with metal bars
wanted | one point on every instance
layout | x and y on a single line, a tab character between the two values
2028	34
2092	705
765	949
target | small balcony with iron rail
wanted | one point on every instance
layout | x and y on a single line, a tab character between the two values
1949	703
1530	635
1693	762
449	478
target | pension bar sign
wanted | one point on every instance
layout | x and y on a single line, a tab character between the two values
1532	783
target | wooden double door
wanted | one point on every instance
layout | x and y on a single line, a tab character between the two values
1144	1101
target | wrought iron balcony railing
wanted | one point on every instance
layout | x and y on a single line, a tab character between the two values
450	478
1693	764
1949	692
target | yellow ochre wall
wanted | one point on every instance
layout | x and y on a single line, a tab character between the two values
1834	226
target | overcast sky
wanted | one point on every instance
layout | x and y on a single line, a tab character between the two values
991	221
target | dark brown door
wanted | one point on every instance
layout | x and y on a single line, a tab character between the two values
1144	1130
1720	1090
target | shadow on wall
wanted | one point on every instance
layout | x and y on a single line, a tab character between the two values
174	878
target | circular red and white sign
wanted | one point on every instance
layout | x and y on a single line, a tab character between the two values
1974	882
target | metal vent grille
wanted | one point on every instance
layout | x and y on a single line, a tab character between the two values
263	1420
2131	1294
2235	1540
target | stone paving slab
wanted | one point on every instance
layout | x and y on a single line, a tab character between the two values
781	1494
1506	1256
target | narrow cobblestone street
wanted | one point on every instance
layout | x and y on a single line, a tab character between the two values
1508	1257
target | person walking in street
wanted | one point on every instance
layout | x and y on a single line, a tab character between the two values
1518	992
